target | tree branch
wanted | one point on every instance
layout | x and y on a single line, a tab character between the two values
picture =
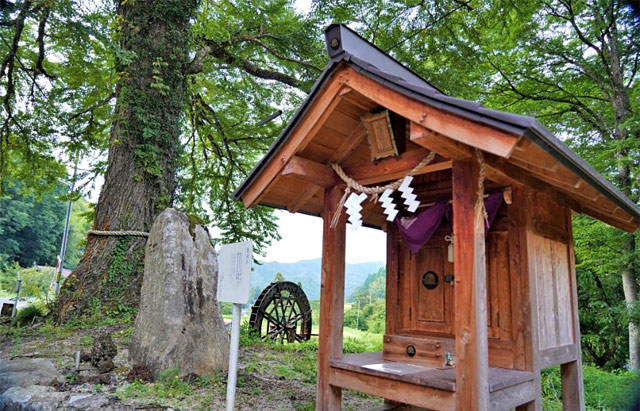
40	40
257	71
8	64
285	58
597	119
93	107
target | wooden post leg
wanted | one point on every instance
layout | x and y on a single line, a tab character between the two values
572	396
572	388
535	405
472	353
328	398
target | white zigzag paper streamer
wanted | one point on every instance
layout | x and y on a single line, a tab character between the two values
354	207
387	204
407	194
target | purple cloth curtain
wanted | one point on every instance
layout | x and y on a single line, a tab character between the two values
492	205
419	229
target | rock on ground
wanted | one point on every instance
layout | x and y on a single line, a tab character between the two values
23	372
179	322
42	398
87	402
32	398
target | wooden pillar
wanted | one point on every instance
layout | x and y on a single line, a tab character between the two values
328	398
572	383
472	354
523	197
392	317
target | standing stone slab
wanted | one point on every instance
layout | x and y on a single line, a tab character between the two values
179	322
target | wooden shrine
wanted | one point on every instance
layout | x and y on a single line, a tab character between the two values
473	314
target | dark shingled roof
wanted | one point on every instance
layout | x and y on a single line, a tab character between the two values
372	62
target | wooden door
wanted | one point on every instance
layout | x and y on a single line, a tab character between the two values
431	309
432	295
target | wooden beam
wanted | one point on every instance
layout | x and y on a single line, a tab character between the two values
503	171
321	175
561	177
394	168
312	120
472	351
400	391
350	143
310	171
460	129
442	145
328	397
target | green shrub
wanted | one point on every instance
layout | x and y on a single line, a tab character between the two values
25	316
35	281
602	390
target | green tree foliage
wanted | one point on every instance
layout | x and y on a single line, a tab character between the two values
374	286
57	77
253	60
31	227
371	317
369	299
87	76
604	316
278	278
35	281
79	224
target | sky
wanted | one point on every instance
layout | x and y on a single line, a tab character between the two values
302	240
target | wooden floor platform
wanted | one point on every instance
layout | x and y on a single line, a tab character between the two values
371	363
408	382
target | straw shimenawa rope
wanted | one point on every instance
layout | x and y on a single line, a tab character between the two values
119	233
480	192
373	191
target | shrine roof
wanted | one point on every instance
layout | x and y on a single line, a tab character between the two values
348	50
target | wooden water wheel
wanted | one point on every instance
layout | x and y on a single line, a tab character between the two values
282	313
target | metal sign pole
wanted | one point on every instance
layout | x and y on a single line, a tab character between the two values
233	357
234	276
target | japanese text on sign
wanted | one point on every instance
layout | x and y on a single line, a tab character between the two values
234	272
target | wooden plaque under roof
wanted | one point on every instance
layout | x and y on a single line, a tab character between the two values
380	135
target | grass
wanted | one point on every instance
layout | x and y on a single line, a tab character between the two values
602	390
361	341
170	390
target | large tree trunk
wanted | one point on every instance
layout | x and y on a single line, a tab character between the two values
140	177
622	110
631	296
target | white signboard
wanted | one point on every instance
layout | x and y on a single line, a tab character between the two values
234	272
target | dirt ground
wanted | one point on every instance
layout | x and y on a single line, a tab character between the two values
268	379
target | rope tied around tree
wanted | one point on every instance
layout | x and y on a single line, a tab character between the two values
353	185
119	233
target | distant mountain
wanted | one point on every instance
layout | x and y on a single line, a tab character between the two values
373	286
307	272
